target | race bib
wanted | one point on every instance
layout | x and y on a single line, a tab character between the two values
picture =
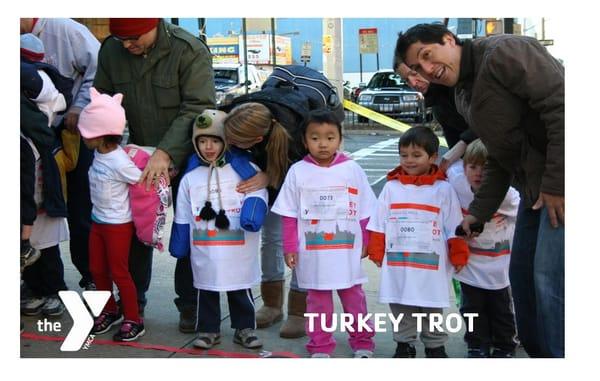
231	200
413	236
327	203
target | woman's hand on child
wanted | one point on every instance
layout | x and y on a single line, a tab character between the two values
157	165
291	260
256	182
457	268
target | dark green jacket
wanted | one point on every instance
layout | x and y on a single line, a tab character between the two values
163	91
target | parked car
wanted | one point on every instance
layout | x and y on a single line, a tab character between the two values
388	94
230	81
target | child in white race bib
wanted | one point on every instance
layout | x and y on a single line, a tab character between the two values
325	202
484	281
412	238
220	227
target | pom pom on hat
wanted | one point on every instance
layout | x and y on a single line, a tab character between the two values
104	115
32	48
131	27
221	221
207	213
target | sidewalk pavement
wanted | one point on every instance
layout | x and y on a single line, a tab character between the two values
163	339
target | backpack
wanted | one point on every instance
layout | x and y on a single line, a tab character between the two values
148	208
288	106
314	85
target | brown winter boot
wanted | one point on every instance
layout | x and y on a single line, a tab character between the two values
293	327
270	312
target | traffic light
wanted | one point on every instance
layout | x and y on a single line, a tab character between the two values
493	26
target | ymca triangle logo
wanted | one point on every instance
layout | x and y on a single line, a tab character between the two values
83	321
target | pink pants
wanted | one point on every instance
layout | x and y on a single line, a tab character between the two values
321	302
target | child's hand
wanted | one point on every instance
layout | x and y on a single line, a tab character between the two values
457	268
377	263
364	253
291	260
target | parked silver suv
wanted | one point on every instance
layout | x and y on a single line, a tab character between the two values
388	94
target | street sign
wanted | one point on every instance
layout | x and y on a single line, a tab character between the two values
306	52
327	42
367	38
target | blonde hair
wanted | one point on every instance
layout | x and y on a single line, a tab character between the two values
476	153
249	121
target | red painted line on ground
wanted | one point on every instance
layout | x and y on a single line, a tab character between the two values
157	347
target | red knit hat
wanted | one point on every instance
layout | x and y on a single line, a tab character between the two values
123	27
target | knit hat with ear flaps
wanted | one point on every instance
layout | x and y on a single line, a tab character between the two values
104	115
32	48
210	123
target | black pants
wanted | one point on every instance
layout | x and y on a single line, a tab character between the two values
241	310
46	276
140	267
28	206
495	325
184	278
79	206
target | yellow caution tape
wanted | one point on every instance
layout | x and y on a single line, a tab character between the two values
383	119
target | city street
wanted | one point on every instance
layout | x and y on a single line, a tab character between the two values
376	151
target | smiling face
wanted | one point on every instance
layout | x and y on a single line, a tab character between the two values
437	63
210	147
414	79
415	161
322	141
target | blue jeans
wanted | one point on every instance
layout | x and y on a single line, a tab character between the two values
537	279
271	252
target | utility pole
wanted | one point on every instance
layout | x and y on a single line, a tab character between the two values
245	38
273	42
202	29
333	66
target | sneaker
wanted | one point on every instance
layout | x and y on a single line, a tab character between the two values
187	320
437	352
405	350
320	356
501	353
53	306
363	354
207	340
28	256
105	321
33	306
247	338
129	331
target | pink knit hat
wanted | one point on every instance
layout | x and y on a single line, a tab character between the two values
102	116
